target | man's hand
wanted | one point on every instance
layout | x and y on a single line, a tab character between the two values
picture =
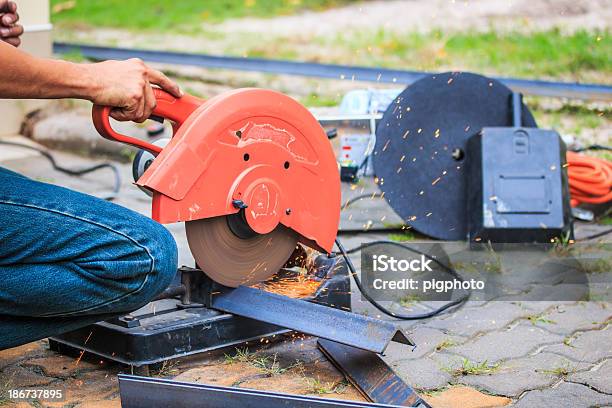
126	86
9	29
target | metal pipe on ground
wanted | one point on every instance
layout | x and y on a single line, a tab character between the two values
145	392
357	73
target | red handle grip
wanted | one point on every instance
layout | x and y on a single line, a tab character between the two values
175	109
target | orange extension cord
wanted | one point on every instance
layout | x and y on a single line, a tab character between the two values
590	179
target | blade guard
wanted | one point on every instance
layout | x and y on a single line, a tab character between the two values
254	149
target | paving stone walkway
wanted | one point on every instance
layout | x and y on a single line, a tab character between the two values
484	354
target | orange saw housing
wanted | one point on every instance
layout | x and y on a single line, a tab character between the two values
254	149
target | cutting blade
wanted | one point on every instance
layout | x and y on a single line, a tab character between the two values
233	261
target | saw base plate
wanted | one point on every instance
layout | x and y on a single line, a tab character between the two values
165	329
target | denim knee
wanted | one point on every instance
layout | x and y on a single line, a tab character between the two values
157	248
162	248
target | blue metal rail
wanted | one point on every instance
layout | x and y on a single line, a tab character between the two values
343	72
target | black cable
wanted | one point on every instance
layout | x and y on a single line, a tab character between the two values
383	309
597	235
360	197
75	172
592	147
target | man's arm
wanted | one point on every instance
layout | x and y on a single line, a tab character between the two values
125	85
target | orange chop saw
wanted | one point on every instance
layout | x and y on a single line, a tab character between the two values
250	172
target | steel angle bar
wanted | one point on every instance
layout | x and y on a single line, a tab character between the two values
322	321
346	72
146	392
374	379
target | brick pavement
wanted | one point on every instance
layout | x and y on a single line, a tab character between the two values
562	358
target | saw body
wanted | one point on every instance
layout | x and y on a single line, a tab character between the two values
251	172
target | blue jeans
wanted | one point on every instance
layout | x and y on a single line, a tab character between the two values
68	259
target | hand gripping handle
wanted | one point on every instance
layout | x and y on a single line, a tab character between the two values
175	109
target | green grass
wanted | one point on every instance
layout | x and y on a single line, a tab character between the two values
402	236
268	365
409	301
548	53
607	220
183	15
271	367
468	367
535	319
602	265
240	356
316	386
443	345
167	369
560	371
315	99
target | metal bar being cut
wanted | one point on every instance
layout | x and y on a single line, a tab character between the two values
346	72
322	321
374	379
146	392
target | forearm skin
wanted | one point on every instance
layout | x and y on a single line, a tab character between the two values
26	76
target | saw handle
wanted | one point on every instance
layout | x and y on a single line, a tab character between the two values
176	110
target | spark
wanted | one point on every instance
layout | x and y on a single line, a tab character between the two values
78	360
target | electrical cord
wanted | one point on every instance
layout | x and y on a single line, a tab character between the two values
360	197
590	179
451	271
596	235
75	172
592	147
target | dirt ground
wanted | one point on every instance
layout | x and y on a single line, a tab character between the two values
460	15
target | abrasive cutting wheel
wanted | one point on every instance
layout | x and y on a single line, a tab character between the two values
227	256
250	172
